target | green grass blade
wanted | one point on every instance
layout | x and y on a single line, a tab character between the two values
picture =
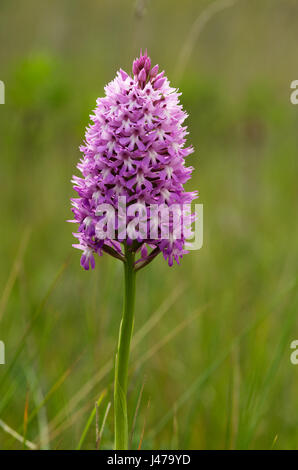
90	419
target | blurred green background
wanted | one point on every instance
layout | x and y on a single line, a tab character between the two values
210	365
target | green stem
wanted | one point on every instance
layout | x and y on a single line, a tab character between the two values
122	357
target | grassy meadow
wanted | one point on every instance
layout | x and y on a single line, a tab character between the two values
210	364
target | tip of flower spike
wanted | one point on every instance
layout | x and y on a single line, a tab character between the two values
142	70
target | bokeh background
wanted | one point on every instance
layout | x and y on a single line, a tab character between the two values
210	365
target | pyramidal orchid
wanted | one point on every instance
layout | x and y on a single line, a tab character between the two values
131	201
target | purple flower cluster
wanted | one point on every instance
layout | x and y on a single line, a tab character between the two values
135	149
